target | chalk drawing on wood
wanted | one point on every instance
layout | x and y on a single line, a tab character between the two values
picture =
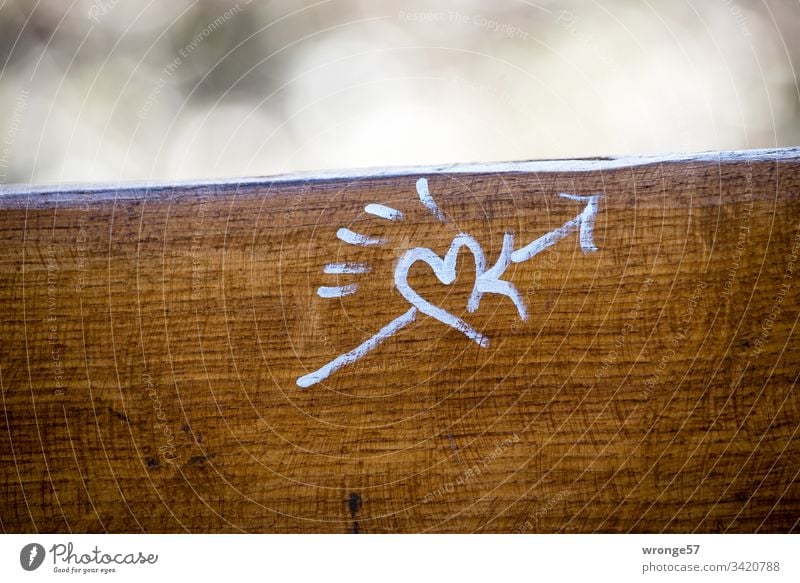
487	280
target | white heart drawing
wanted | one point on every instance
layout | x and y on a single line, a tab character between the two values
445	271
486	281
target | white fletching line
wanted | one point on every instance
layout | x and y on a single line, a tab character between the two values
339	291
353	238
426	199
338	268
384	212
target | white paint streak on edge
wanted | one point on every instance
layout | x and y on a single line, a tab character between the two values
426	199
384	212
325	291
348	236
133	190
358	352
348	267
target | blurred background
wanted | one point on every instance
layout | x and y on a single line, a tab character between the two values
119	90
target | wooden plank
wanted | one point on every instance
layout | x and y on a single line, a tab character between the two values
168	362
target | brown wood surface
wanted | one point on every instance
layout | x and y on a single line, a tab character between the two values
152	338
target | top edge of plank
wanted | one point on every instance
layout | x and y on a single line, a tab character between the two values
560	165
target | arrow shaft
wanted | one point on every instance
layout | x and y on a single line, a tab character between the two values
359	351
584	223
545	241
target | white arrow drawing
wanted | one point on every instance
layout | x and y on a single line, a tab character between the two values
487	281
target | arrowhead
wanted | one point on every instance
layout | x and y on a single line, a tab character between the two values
586	219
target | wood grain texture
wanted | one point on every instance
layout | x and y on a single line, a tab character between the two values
152	338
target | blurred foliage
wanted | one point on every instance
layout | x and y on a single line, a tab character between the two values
106	90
